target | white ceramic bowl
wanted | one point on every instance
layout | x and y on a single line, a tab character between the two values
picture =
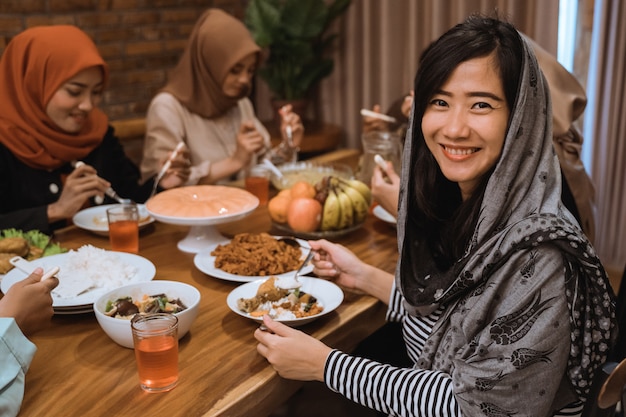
119	329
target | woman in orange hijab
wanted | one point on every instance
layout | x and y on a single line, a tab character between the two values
51	82
205	105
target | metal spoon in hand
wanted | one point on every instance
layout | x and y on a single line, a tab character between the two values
290	282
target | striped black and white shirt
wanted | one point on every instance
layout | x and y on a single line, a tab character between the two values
401	391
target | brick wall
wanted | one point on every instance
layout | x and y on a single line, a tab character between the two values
139	39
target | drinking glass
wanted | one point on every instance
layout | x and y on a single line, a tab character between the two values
386	144
155	338
124	227
258	183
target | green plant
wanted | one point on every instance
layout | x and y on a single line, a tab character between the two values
294	32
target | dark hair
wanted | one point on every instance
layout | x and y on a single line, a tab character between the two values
436	211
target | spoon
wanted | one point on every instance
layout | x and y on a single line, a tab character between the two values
109	191
291	241
273	168
369	113
290	282
289	133
293	282
25	266
165	167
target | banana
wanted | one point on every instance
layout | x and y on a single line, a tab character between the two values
347	211
359	205
331	212
360	186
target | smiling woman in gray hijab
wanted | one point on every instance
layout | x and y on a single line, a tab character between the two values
501	297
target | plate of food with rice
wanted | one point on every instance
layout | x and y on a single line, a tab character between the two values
85	274
291	306
250	256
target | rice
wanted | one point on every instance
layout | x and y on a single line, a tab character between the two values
91	268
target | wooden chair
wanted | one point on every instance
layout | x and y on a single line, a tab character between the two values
608	387
593	407
131	134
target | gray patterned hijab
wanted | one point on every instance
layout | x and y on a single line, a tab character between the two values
521	212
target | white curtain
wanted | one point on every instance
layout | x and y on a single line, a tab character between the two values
605	124
379	45
381	40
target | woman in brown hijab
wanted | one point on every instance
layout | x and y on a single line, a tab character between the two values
51	82
204	104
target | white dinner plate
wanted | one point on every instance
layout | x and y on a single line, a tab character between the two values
384	215
145	271
94	218
205	262
328	294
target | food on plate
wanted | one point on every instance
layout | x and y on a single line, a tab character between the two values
5	265
201	201
89	268
101	220
16	245
344	202
30	245
126	307
256	254
280	304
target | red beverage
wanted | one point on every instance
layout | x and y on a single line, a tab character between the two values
124	236
157	362
260	187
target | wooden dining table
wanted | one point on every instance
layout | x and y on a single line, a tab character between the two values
79	371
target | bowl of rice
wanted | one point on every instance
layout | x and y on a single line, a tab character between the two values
117	326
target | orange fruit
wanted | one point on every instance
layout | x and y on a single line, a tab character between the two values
284	193
302	189
277	208
304	214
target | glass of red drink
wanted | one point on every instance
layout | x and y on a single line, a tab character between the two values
155	338
124	227
258	183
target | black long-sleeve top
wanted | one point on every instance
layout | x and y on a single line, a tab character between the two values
26	192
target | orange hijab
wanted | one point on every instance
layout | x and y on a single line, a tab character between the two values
35	64
218	41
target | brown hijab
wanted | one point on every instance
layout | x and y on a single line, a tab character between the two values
218	41
568	103
35	64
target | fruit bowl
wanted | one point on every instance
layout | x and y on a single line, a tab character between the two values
310	172
331	208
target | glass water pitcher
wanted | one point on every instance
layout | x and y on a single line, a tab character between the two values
386	144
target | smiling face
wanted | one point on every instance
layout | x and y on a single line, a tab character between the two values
71	103
465	122
238	80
